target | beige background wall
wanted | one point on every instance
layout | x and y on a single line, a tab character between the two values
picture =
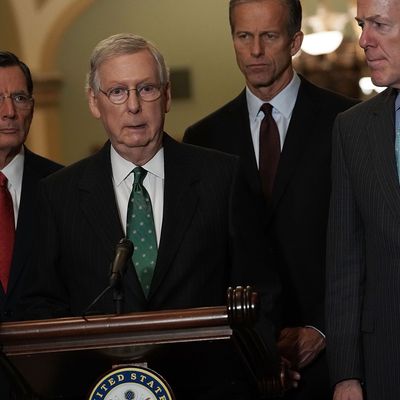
55	38
187	39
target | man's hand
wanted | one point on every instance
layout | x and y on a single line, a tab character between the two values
292	377
348	390
277	385
300	345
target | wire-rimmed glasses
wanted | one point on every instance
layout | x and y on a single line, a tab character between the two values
120	94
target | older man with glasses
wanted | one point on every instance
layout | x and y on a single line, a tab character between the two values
20	172
183	207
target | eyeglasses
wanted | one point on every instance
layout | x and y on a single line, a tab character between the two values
20	100
119	95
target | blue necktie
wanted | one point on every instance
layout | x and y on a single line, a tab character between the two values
397	141
141	231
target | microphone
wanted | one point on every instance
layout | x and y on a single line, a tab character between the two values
123	252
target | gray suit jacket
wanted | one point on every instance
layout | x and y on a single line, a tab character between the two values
363	257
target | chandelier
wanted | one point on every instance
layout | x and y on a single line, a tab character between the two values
326	29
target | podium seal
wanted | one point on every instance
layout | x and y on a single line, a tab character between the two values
131	383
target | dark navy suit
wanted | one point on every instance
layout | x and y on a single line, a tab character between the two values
296	219
35	169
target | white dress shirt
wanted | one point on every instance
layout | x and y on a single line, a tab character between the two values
283	104
14	172
153	182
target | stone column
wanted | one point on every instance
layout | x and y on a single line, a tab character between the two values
45	134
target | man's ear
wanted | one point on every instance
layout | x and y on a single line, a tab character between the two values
93	106
167	94
297	41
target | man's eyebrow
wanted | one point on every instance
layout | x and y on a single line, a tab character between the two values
371	18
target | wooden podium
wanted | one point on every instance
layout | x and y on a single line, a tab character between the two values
62	358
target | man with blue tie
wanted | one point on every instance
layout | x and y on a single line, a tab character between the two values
363	256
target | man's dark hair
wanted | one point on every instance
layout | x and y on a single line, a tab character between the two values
294	11
8	59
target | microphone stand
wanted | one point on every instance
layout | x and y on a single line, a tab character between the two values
96	300
118	295
118	267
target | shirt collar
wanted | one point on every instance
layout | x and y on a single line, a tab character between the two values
14	171
121	168
284	101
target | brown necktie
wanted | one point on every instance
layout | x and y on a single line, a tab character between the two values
270	150
7	231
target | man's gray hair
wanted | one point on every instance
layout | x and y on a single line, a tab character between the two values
121	44
294	10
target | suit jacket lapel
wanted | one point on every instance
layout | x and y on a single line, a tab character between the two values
180	201
99	205
381	133
241	141
25	220
98	201
296	141
100	208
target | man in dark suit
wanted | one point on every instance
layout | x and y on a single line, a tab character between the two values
202	233
20	170
266	34
363	276
23	170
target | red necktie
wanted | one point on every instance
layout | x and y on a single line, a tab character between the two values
7	231
270	150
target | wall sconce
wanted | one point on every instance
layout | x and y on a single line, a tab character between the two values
326	27
324	42
367	87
